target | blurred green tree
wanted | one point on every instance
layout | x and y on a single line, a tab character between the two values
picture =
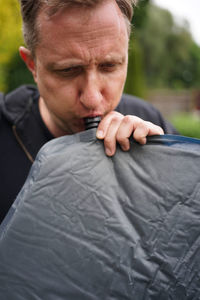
140	14
17	73
194	66
136	83
10	29
170	58
10	35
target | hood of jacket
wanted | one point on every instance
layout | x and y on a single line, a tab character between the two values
18	103
17	108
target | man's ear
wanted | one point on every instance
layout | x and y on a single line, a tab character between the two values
29	61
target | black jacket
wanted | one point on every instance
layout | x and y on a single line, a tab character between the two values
22	133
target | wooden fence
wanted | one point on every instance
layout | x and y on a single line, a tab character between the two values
170	103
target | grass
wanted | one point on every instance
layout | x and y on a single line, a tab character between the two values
187	124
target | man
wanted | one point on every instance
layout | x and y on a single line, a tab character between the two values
77	51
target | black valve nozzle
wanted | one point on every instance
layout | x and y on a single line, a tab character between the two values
92	122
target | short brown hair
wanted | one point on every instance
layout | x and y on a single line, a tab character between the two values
30	10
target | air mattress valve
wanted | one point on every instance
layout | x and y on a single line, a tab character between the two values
92	122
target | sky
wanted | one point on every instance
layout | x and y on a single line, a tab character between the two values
184	9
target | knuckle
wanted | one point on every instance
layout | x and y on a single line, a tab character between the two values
121	139
127	119
116	116
116	119
149	124
108	140
142	125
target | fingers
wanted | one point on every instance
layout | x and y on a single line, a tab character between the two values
143	129
124	132
107	130
140	129
118	128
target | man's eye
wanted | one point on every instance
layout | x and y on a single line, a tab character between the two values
70	72
108	67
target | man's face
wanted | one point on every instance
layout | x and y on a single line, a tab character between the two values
80	65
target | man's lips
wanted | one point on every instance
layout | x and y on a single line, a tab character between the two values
93	115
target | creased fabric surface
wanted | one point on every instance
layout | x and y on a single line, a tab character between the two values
86	226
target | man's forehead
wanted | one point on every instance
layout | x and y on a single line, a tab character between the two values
81	15
98	30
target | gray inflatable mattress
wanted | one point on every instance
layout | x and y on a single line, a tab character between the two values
86	226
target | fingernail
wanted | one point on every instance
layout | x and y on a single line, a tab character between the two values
125	147
143	141
108	152
99	134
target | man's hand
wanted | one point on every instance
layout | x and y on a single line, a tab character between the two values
115	127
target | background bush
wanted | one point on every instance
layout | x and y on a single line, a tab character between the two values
17	73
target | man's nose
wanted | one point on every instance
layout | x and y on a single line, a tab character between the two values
91	92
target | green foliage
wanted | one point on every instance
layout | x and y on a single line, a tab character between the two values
171	58
194	65
135	83
10	29
165	55
10	36
17	73
140	14
187	124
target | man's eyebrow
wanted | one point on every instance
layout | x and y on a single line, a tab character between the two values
115	58
60	65
78	63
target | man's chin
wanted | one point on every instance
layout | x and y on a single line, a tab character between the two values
76	128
